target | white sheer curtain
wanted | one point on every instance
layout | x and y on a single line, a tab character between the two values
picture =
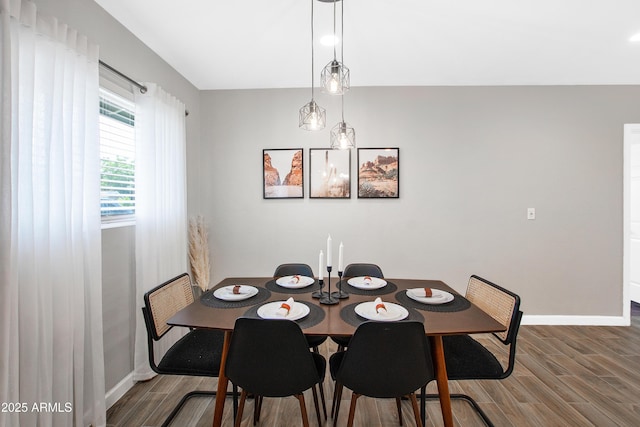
50	263
161	205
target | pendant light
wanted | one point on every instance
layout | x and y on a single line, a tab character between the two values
311	115
335	76
343	136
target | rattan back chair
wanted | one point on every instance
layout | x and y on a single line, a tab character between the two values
466	358
198	353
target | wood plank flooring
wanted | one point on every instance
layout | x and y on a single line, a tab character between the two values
564	376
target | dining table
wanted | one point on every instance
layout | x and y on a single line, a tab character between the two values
456	317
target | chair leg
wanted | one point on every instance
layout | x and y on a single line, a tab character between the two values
303	410
399	406
315	403
178	407
465	397
235	402
324	403
322	399
243	398
423	404
352	409
257	409
416	411
337	400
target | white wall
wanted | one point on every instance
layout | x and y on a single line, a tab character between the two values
472	160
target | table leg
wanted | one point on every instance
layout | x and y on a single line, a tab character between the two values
223	381
442	379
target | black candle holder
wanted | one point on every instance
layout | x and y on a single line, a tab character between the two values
328	299
319	293
340	294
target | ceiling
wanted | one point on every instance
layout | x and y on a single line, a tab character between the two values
248	44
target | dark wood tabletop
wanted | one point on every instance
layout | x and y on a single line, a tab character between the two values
471	320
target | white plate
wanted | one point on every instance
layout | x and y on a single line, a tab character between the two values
291	283
268	311
439	297
394	311
226	293
361	283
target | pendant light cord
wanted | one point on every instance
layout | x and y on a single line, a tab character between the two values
312	55
341	46
334	29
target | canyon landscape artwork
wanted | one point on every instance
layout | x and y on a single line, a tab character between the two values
283	173
378	173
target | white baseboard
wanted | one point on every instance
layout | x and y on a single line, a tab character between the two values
575	320
118	390
634	292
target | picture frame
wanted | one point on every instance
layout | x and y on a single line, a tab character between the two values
329	173
378	173
283	173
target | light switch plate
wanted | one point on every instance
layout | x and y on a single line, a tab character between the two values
531	213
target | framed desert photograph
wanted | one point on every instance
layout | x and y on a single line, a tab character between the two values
378	173
330	173
283	172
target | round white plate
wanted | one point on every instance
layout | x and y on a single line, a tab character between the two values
269	311
361	283
394	311
290	282
439	297
226	293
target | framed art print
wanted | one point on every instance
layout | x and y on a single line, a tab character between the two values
330	173
283	173
378	173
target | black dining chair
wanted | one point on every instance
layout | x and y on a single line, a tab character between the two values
270	358
198	353
384	360
466	358
356	270
314	341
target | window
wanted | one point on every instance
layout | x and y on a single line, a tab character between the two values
117	158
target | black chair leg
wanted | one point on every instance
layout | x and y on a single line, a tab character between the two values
187	396
324	403
337	397
315	404
399	406
464	397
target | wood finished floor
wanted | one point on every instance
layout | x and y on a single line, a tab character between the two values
564	376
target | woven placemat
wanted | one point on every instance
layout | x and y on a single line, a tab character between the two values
210	301
391	287
459	303
349	315
315	316
273	286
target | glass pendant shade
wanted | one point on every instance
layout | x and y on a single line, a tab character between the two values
335	78
312	116
343	136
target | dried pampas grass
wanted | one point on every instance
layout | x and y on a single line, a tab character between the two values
199	252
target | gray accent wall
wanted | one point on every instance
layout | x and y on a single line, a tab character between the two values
472	160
